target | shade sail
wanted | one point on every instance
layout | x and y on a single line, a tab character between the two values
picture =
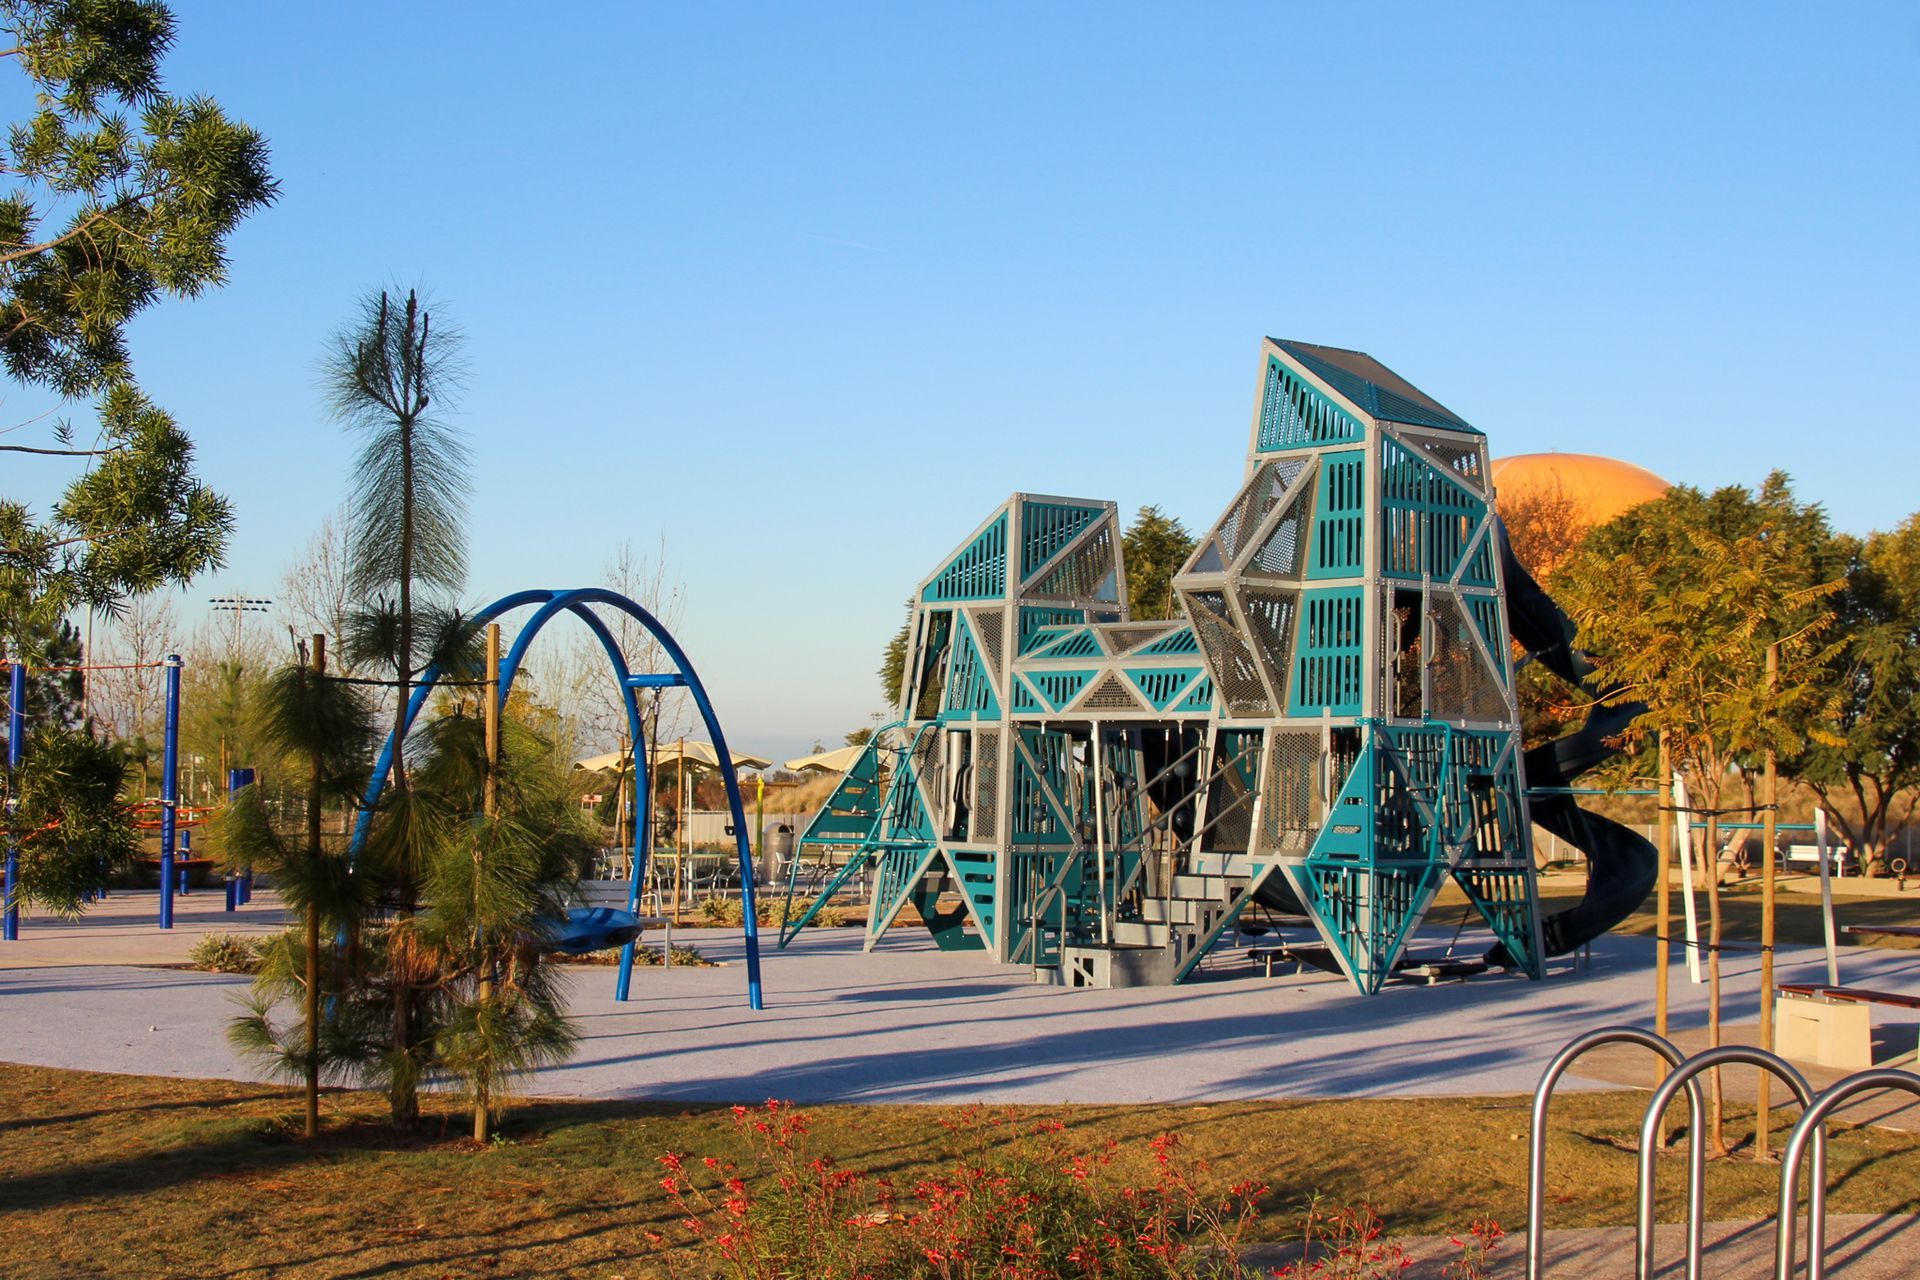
699	755
837	761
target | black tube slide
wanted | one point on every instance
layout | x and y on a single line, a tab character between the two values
1621	863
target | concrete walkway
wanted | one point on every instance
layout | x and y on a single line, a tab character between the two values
911	1024
1859	1247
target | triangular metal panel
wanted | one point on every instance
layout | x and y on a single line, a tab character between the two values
1161	686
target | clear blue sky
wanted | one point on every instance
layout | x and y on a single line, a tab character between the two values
812	287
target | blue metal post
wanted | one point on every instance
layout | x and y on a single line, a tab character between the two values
186	852
169	789
16	744
243	881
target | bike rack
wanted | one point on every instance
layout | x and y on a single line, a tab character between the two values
1537	1145
1683	1077
1812	1129
1809	1132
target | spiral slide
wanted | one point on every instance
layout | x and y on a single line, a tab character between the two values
1621	863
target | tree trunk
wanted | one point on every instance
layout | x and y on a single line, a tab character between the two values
403	1101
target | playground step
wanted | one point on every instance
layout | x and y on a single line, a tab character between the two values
1161	911
1210	863
1207	888
1139	933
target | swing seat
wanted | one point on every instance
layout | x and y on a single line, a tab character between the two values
587	929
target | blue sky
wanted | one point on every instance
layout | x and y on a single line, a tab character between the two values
812	288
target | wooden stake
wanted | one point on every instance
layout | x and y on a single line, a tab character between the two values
490	808
1769	795
1663	904
315	783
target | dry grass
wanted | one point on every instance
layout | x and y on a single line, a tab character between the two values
119	1176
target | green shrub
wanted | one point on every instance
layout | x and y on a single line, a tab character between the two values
683	957
228	953
728	913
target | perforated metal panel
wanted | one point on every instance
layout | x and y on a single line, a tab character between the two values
986	628
986	779
1283	550
1270	613
1256	499
1290	809
1111	694
1462	459
1235	670
1086	572
1462	685
1045	527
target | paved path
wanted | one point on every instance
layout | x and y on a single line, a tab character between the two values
1859	1247
911	1024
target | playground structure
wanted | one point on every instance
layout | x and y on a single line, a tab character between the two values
595	928
166	815
1328	729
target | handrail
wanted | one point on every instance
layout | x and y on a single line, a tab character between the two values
1033	928
1812	1128
1537	1141
1683	1077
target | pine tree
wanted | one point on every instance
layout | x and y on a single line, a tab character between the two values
392	375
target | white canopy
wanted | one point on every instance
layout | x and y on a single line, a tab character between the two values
699	755
836	761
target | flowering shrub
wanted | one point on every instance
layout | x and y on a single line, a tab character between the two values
1020	1206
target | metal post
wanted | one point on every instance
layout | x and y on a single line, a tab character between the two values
1685	828
1826	897
1670	1055
1812	1128
16	745
1100	834
1682	1077
169	789
1769	796
1663	891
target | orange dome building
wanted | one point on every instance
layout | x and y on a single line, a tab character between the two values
1603	487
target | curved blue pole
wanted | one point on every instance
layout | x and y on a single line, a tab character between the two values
169	789
552	603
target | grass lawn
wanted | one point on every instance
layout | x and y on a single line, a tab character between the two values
107	1175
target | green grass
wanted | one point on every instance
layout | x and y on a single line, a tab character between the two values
122	1176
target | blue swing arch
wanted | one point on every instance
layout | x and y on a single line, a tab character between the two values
579	601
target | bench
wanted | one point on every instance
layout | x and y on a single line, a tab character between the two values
1887	930
1832	1026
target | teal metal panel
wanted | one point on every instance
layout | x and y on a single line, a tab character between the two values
973	872
1070	644
1047	527
1034	621
1179	642
1199	699
1059	688
1339	517
1025	700
1327	672
1161	686
969	688
1294	414
977	573
1427	520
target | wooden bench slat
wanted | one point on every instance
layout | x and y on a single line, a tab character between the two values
1862	995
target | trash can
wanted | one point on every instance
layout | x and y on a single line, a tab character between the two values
778	853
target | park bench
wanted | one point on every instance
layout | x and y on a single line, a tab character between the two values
1832	1026
1887	930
